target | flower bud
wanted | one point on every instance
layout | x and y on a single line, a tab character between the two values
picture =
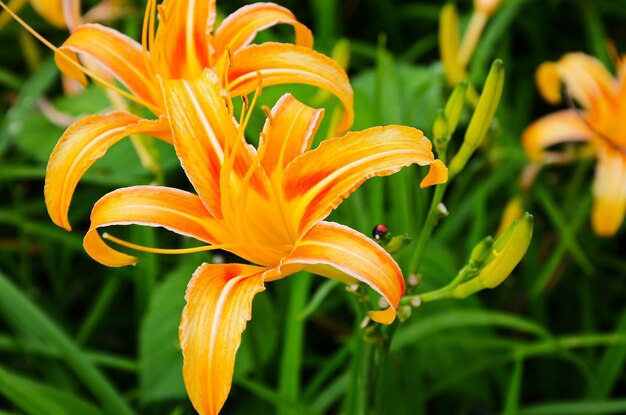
487	105
454	106
449	44
507	251
441	133
487	6
482	117
481	251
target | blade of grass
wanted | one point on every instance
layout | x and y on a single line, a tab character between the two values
279	401
565	229
617	406
611	366
98	310
515	386
17	309
29	93
596	34
97	358
544	277
463	319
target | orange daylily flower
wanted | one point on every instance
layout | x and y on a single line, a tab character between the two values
267	206
601	123
182	46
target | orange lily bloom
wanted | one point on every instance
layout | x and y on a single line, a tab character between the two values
265	205
182	46
601	123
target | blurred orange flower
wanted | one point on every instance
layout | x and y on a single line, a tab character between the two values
181	47
265	205
601	123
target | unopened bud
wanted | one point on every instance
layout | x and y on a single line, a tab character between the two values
454	106
487	6
413	280
397	243
481	251
482	117
416	301
404	313
440	133
487	105
442	210
507	251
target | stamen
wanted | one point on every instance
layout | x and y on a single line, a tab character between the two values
147	32
268	114
167	251
77	65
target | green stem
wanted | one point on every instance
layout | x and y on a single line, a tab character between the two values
431	220
382	376
17	308
291	361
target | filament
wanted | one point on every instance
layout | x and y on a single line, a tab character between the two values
167	251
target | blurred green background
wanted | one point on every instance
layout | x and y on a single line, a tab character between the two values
79	338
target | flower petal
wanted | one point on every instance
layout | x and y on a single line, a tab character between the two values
609	189
585	77
50	10
239	29
219	304
437	174
288	133
116	52
179	211
280	63
316	182
181	44
81	145
559	127
338	252
202	127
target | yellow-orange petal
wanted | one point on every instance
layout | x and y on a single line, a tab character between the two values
80	146
288	133
50	10
316	182
203	128
548	82
114	51
437	174
587	80
219	304
239	29
329	249
280	63
558	127
181	45
71	13
609	190
176	210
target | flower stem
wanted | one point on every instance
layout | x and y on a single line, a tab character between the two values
434	214
291	361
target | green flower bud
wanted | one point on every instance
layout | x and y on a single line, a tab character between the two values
454	106
397	243
507	251
441	133
481	252
481	119
487	105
